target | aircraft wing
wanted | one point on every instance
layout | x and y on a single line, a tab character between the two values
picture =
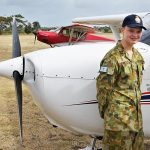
114	21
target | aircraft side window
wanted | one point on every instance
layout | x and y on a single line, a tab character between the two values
65	32
81	35
75	34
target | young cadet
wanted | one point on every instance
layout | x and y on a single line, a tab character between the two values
118	90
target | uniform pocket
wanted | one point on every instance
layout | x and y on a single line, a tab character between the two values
124	111
126	69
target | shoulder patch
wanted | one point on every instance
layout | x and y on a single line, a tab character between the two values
103	69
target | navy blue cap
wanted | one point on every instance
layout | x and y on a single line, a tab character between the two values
133	21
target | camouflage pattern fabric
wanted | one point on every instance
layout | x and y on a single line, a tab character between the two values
120	140
118	90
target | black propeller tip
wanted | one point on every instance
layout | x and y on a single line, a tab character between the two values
18	86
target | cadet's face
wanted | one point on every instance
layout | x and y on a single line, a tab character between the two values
131	35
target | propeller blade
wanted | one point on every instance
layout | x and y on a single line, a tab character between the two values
18	87
35	39
16	75
35	33
16	41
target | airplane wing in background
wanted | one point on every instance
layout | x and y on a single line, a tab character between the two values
114	21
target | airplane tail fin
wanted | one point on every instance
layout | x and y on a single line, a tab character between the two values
146	37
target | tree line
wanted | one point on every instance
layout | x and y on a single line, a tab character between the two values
103	29
22	24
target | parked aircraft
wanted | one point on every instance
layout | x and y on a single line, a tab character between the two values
68	35
62	81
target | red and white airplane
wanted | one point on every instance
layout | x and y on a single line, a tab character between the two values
62	81
69	35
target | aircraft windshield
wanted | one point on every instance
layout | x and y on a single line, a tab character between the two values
76	31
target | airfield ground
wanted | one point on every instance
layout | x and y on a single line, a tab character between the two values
38	133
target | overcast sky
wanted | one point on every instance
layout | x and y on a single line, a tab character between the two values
61	12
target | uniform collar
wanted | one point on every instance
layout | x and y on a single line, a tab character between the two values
120	48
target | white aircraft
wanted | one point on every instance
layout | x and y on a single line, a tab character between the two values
63	80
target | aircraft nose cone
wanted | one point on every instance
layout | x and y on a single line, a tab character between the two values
8	67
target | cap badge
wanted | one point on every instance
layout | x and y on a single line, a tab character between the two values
137	19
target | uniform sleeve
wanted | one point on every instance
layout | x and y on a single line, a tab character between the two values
105	83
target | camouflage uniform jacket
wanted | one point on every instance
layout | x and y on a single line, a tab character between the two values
118	90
